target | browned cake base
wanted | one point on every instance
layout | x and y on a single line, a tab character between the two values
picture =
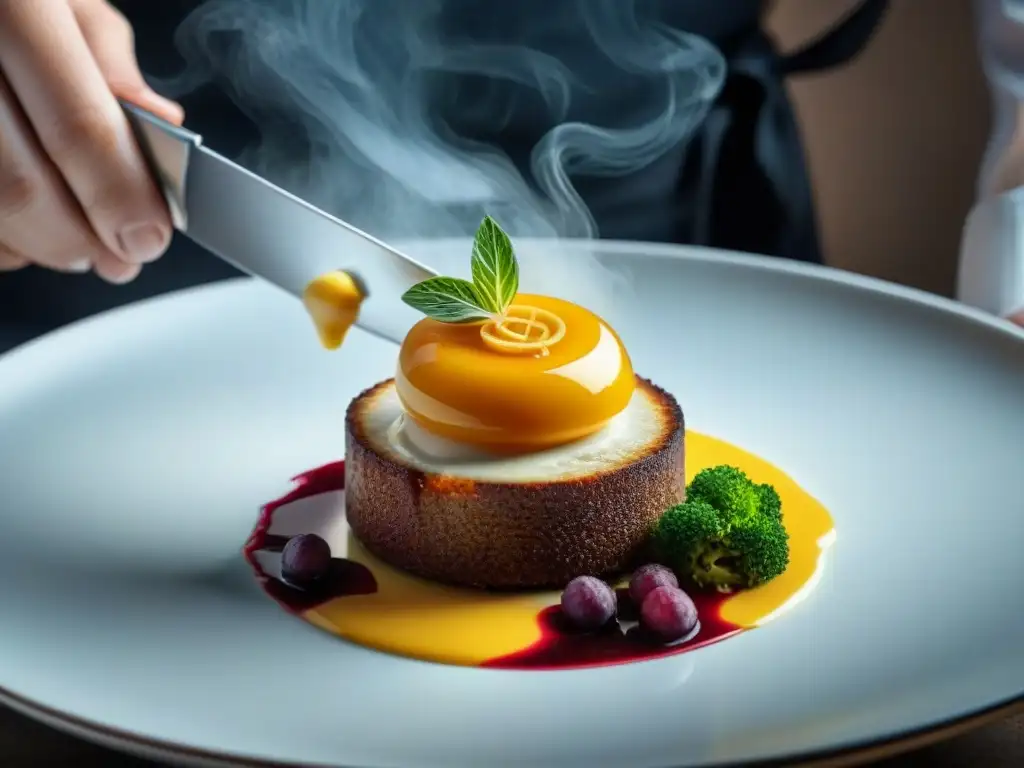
507	535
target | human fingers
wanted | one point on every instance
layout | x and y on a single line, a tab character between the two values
112	41
39	219
79	124
113	269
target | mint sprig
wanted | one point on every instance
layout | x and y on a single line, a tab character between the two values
494	266
447	299
495	282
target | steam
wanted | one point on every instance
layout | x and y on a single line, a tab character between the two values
384	112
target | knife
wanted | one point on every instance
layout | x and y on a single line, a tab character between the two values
269	233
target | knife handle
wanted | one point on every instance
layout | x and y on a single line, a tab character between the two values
167	149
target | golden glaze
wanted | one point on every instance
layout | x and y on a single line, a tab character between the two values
455	386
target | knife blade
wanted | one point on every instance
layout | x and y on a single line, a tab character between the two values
270	233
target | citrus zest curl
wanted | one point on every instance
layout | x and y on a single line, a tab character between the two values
523	329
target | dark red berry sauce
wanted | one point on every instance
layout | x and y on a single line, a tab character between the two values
560	646
620	642
345	577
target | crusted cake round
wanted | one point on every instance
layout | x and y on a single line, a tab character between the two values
535	520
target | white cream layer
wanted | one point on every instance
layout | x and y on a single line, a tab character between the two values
627	437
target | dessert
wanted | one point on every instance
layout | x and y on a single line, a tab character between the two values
515	451
515	446
531	520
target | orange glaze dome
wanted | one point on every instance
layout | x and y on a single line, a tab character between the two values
456	386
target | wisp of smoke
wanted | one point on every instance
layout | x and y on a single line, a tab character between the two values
387	113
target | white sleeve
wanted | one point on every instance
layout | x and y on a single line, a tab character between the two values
991	271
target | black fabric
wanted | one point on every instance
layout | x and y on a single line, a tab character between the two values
745	184
740	183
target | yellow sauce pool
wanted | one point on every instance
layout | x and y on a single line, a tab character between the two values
412	617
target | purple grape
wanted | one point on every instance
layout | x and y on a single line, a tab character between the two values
669	613
647	578
588	603
305	560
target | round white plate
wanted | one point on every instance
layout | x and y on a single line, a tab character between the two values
135	449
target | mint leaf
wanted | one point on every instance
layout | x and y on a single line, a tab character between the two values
494	266
448	299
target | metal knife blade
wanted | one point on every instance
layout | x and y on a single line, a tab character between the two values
270	233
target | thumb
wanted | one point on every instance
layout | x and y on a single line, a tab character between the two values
112	42
1017	318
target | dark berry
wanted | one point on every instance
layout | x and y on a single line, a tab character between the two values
647	578
588	603
669	613
305	560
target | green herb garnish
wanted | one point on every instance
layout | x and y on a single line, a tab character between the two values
494	265
448	299
495	282
727	535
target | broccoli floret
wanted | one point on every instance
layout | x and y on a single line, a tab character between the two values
683	533
728	490
762	546
728	534
769	503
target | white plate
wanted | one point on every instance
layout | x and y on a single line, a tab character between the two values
136	447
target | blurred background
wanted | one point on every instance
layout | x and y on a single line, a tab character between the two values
894	139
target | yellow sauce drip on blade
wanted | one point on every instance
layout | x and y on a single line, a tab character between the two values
333	301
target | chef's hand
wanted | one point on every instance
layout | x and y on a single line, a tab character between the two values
75	194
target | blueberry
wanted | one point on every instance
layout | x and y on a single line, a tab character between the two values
669	613
305	560
588	603
647	578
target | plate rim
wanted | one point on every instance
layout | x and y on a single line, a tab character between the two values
849	754
857	753
647	250
630	249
